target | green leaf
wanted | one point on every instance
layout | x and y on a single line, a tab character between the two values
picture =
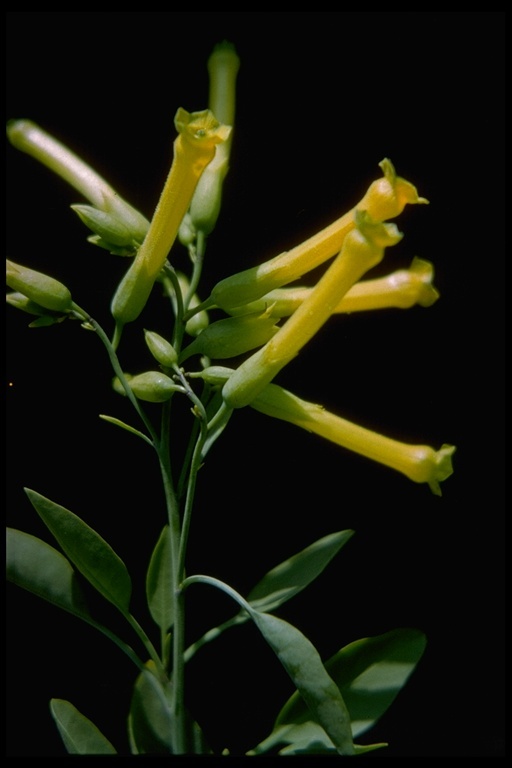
293	575
159	582
369	673
127	427
92	556
150	719
79	734
307	738
304	665
41	569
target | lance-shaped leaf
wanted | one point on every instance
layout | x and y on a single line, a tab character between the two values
369	673
159	590
303	663
39	568
79	734
92	556
293	575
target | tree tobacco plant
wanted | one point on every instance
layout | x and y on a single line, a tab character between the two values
222	353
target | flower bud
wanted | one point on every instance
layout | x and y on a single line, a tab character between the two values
232	336
108	226
151	386
216	375
39	288
162	350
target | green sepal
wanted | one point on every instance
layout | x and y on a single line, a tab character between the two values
92	556
115	250
79	734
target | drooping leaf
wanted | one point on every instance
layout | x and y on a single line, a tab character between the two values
283	582
294	574
369	673
159	591
79	734
308	738
303	663
92	556
39	568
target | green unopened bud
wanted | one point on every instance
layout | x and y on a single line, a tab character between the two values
187	233
216	375
161	349
151	386
42	289
44	317
223	66
108	226
232	336
28	137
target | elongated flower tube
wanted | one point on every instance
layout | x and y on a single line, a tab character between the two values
28	137
419	463
401	289
362	249
194	148
385	199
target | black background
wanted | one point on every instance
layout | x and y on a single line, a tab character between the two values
322	99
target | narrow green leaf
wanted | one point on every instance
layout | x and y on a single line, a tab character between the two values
369	673
127	427
79	734
293	575
159	582
39	568
304	665
92	556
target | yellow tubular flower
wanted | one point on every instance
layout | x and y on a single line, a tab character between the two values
401	289
363	249
419	463
194	148
385	199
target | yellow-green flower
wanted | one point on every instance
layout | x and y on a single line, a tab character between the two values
194	148
363	248
419	463
401	289
385	199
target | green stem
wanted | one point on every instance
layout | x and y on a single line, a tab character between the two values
148	645
114	360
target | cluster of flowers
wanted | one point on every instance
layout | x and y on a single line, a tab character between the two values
265	310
